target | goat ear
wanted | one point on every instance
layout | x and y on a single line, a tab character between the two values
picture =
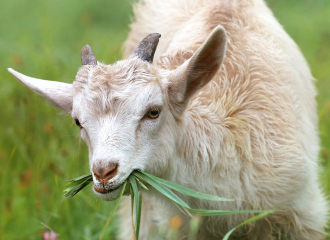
61	94
196	72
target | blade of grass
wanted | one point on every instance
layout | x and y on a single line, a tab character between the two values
77	184
110	216
182	209
203	212
135	173
73	184
253	219
73	190
141	183
132	210
162	186
83	177
165	191
137	204
84	237
185	190
138	217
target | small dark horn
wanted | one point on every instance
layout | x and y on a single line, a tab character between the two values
147	47
87	56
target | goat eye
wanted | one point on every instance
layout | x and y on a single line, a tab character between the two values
78	123
154	112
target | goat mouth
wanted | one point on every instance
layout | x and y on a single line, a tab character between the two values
104	191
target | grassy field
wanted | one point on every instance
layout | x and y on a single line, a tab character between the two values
40	148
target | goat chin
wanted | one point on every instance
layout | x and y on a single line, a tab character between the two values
110	196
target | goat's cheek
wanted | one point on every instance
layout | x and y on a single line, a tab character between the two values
84	136
151	128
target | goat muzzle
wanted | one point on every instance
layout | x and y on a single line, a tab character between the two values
105	174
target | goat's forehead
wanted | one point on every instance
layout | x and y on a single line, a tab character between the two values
120	74
105	87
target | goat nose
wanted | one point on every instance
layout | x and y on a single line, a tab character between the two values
104	174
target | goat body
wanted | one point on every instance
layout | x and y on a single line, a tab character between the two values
247	131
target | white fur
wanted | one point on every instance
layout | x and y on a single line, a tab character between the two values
248	132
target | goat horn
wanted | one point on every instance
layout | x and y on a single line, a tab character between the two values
87	56
147	47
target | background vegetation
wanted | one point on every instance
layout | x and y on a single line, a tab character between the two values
40	149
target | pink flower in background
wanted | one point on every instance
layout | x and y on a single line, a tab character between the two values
49	235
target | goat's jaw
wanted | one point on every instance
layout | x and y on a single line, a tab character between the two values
108	194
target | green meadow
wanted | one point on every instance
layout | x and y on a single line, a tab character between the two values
40	148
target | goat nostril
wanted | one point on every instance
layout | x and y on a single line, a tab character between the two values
111	170
105	173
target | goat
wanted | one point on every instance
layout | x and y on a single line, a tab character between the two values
227	108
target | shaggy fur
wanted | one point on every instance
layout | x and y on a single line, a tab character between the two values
247	131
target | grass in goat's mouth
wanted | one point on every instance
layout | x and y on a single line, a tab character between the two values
146	181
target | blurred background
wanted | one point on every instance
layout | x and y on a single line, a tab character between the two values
40	149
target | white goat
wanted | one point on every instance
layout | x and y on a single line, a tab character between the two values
247	131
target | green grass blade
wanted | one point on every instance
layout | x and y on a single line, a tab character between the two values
185	190
182	209
84	177
203	212
138	217
165	191
135	173
132	210
141	183
76	185
137	204
110	216
72	193
253	219
161	185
